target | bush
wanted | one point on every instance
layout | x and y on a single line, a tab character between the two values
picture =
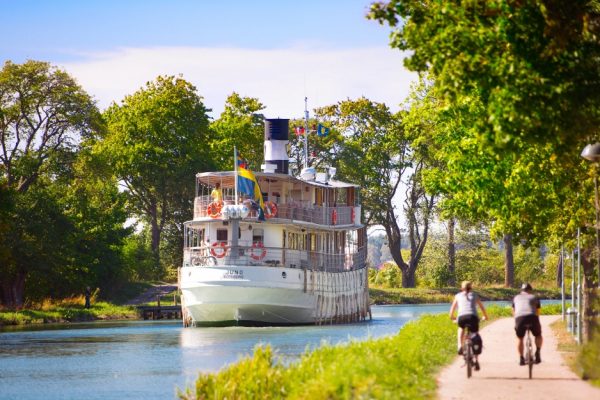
388	276
589	356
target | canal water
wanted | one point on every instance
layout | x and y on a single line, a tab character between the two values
149	360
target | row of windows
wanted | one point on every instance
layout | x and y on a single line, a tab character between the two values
325	242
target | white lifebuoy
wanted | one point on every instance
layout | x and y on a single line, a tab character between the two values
219	249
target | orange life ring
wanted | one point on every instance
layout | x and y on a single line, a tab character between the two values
219	249
262	252
214	209
352	214
272	209
334	217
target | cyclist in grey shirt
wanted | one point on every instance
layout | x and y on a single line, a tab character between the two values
466	301
526	310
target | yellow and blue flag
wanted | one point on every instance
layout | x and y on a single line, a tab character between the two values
248	185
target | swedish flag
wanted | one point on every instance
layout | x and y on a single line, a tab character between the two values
248	184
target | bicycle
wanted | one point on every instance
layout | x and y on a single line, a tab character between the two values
529	360
203	261
468	353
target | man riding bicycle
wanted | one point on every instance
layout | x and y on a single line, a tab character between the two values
467	301
526	310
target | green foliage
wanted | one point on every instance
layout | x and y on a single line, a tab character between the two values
533	63
44	116
239	125
137	258
506	311
388	276
157	141
529	266
398	367
513	103
433	271
43	112
381	295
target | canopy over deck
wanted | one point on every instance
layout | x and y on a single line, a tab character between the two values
227	179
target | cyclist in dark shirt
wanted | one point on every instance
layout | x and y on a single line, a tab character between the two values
526	309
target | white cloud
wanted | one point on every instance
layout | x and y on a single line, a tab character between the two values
280	79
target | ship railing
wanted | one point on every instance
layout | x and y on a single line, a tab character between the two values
292	211
222	253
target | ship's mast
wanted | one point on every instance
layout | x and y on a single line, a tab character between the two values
305	132
235	168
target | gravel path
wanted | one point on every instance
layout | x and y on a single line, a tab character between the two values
151	294
501	377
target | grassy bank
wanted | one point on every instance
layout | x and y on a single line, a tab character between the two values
67	310
583	360
380	295
398	367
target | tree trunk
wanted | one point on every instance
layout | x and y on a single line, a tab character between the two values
408	278
559	268
509	263
13	290
451	253
155	232
590	291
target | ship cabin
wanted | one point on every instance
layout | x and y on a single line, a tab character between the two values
310	224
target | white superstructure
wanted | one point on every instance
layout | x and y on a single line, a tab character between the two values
306	263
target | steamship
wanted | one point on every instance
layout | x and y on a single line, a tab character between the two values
303	263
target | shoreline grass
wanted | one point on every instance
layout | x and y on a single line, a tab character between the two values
382	295
66	310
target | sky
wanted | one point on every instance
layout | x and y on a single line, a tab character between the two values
277	51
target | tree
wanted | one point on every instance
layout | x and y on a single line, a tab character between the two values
240	125
517	194
533	67
93	204
43	114
42	110
373	135
533	63
157	141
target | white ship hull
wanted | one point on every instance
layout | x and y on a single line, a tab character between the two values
272	295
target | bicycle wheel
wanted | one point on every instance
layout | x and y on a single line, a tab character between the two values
529	356
469	357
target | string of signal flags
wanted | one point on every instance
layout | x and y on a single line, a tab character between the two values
320	129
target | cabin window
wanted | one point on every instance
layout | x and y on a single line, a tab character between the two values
342	198
222	235
296	194
275	196
313	242
318	196
195	237
258	235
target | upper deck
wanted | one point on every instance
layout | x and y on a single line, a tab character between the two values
322	202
